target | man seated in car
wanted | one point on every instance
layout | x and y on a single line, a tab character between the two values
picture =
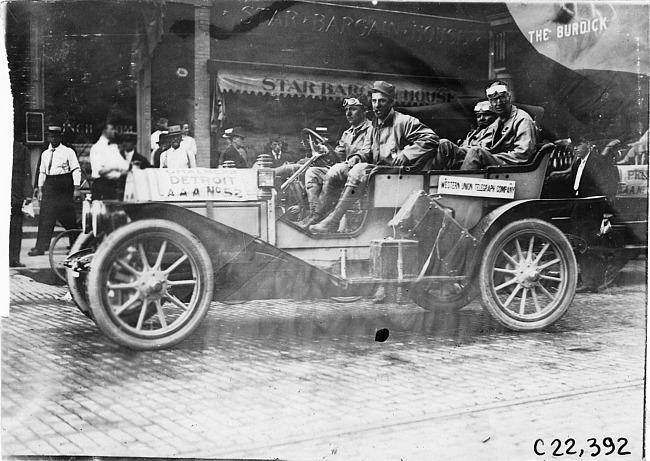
397	140
455	153
320	181
509	140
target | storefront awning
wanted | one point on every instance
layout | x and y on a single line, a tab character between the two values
306	82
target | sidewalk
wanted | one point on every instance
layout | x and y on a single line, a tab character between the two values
36	267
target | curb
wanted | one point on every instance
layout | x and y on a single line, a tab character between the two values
38	274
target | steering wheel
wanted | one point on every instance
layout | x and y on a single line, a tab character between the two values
311	140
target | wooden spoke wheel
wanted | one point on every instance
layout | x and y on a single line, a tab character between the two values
78	281
528	276
150	284
59	249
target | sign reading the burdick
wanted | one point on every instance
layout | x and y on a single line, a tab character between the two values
476	187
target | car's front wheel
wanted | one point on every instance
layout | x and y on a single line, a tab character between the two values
150	284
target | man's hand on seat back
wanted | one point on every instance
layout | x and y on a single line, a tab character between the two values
353	160
400	160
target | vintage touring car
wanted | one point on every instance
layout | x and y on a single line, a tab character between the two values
148	267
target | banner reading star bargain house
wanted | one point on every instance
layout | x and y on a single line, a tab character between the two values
588	35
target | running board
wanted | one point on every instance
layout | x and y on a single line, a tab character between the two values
434	279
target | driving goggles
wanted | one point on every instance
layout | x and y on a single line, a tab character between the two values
496	91
483	107
352	102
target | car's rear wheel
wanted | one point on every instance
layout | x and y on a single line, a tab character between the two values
346	299
528	276
150	284
617	264
448	296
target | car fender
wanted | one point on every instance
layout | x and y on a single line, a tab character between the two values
544	209
241	260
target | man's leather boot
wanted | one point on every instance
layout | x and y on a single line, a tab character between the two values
313	217
331	223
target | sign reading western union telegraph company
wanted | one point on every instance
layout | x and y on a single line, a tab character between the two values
476	187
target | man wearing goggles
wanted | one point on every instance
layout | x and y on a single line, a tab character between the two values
485	116
321	181
397	140
510	140
451	155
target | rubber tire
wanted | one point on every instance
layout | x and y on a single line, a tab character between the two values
430	302
78	285
492	250
50	253
103	259
612	271
346	299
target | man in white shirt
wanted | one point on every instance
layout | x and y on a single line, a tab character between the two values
177	157
59	177
161	128
108	165
188	142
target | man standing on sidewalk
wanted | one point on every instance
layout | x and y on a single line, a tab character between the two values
21	190
58	183
187	142
236	152
177	156
108	165
161	128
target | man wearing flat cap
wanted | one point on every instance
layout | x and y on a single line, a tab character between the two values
177	156
451	155
397	140
59	178
236	152
509	140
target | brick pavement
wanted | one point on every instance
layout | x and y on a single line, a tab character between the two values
306	380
